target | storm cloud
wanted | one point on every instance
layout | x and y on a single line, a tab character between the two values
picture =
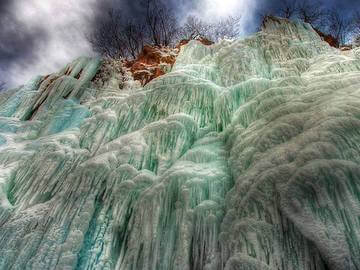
41	36
18	41
38	37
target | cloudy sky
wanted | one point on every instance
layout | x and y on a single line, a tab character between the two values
41	36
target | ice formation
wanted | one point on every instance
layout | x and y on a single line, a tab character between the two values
245	156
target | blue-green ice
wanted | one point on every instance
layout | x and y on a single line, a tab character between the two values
245	156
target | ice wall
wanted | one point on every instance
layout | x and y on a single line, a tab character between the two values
244	157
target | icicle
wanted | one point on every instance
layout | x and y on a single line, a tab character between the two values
243	156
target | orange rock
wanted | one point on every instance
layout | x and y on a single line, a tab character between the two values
205	41
333	42
151	61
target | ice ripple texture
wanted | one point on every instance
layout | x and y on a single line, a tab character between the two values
245	156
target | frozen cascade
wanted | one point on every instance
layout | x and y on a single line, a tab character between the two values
245	156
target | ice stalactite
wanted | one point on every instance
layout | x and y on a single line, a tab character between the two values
245	155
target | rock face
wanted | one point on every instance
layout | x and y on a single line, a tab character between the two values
153	62
244	156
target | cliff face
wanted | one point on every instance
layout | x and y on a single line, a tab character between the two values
244	156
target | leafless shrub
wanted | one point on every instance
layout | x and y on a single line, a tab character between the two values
160	23
134	38
287	9
312	12
340	27
356	29
108	38
315	13
196	28
118	37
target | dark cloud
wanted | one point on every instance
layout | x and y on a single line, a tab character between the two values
39	37
343	6
4	5
34	43
18	41
131	9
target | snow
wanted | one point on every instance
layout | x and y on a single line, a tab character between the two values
244	156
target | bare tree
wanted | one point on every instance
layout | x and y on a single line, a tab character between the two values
226	28
287	9
134	38
309	11
339	26
328	23
356	21
356	29
312	12
160	22
107	39
116	36
195	28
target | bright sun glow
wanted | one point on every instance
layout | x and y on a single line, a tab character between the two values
221	8
213	10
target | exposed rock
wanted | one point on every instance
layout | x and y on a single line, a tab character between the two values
333	42
152	63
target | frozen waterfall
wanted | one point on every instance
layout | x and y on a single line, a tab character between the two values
245	156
